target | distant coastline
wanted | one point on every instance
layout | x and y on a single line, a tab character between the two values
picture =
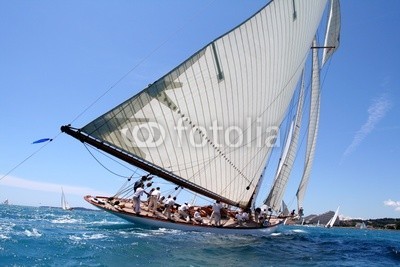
383	223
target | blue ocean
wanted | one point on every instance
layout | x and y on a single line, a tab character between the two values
32	236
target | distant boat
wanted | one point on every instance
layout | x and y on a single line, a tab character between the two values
64	203
361	225
6	202
246	79
333	219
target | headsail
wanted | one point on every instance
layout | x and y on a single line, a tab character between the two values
332	37
275	196
209	125
284	209
312	127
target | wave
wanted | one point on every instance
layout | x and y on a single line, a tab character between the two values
4	236
65	220
299	231
87	237
33	233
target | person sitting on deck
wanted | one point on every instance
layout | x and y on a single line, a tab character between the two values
183	211
197	216
239	218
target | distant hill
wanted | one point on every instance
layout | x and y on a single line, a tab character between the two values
321	219
383	223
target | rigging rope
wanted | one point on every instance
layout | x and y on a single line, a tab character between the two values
196	14
28	157
101	164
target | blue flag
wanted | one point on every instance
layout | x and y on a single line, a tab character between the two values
42	140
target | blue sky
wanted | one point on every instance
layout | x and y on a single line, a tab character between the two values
58	57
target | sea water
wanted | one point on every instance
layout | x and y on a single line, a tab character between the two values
31	236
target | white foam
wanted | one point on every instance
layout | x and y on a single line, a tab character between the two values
299	231
34	233
94	236
4	236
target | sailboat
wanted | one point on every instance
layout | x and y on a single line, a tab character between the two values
64	203
209	126
332	221
6	202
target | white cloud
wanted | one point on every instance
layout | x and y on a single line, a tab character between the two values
49	187
393	204
377	110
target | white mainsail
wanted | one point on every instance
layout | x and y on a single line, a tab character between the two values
210	124
332	37
312	127
64	203
332	221
275	196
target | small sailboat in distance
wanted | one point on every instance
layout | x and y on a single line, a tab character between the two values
209	126
64	203
333	219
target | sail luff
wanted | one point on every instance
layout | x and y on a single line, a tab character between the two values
332	37
312	127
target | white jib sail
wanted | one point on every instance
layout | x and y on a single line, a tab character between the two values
275	196
333	219
312	127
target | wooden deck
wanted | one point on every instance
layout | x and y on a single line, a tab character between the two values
125	206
